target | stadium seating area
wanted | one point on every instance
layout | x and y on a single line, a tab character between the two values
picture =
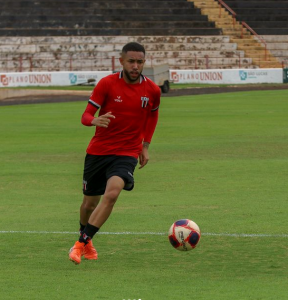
86	35
109	17
266	17
95	53
253	46
278	46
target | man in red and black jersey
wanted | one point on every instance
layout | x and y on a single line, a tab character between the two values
128	105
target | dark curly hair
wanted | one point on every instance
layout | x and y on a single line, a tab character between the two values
133	46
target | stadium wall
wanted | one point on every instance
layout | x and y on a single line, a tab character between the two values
50	78
232	76
216	76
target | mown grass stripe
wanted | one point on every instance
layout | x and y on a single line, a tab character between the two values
152	233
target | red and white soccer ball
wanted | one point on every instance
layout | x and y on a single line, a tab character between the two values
184	235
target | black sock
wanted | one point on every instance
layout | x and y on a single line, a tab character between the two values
88	233
82	227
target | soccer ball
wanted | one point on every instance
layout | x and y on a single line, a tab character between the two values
184	235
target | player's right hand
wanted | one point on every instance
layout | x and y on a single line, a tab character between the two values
103	120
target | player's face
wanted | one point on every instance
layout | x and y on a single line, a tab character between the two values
133	63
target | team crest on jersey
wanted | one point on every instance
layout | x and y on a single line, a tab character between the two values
144	101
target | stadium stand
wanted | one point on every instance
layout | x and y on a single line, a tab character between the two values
85	35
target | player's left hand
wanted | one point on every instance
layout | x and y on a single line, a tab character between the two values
143	158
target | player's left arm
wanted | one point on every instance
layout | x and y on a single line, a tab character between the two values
149	131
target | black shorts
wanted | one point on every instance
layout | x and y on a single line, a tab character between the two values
99	168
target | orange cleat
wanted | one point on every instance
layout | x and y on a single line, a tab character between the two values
75	252
89	251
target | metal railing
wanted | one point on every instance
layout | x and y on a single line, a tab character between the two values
223	4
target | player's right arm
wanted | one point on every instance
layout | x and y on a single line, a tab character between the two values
89	119
96	100
88	115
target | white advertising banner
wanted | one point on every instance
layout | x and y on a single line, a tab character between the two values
231	76
50	78
216	76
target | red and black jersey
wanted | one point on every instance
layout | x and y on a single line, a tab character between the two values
135	107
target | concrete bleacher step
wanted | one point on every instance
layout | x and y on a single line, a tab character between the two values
43	50
280	55
267	64
246	41
272	31
163	55
75	40
102	4
9	19
215	12
256	4
259	24
261	55
226	26
109	32
107	12
237	30
277	46
261	11
205	3
255	47
226	21
266	18
114	25
192	47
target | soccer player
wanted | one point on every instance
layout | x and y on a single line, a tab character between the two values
128	105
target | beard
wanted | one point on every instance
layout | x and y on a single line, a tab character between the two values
131	79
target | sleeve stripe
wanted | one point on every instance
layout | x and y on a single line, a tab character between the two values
94	103
154	109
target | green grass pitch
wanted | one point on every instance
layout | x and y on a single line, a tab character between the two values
220	160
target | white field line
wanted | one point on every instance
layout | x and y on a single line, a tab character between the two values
153	233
